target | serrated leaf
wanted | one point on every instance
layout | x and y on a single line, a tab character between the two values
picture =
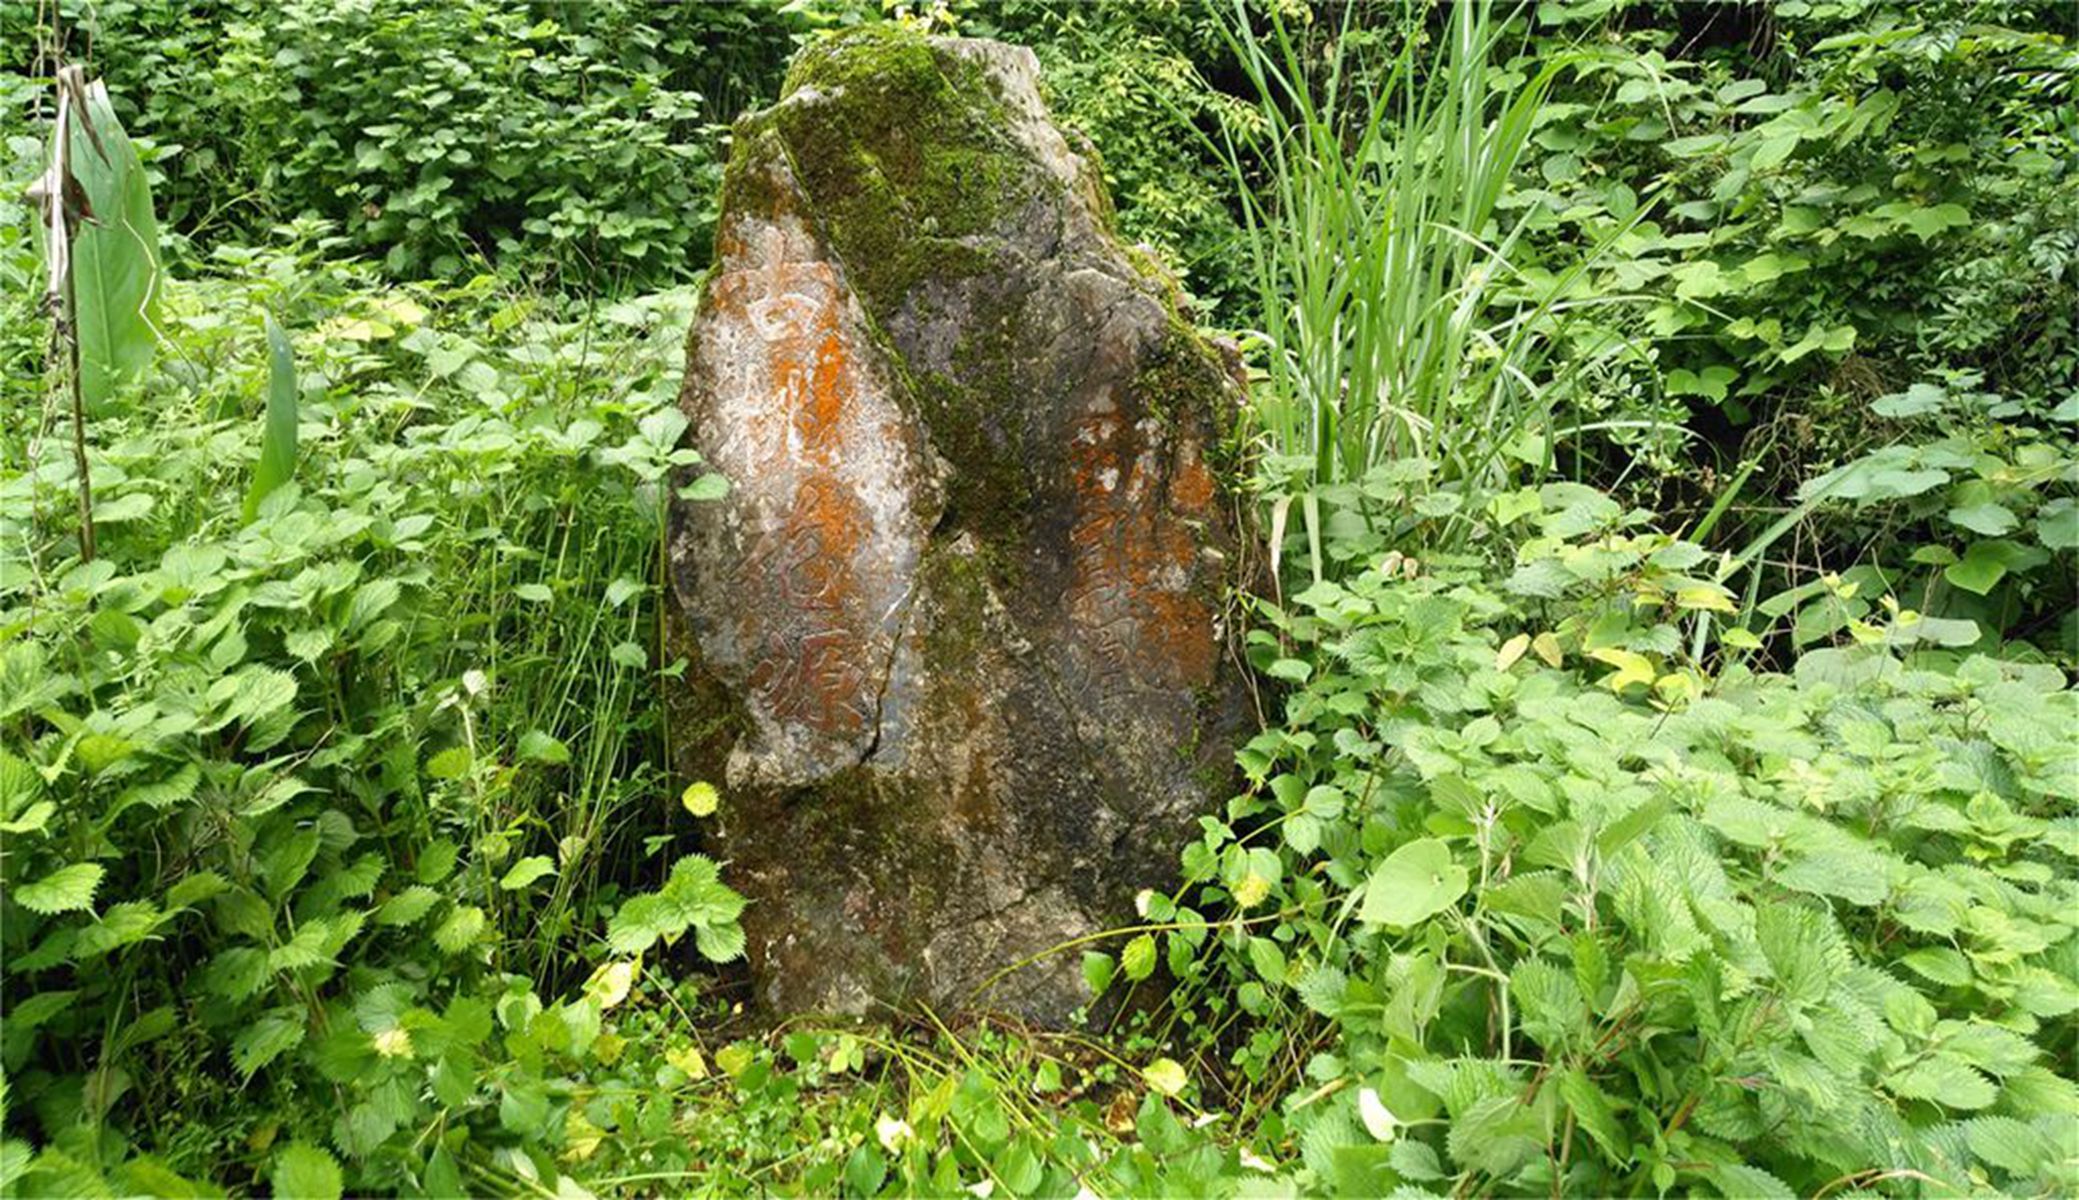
2008	1144
121	925
1939	964
194	888
701	799
720	943
1137	960
236	973
305	949
1594	1113
537	746
266	1039
1739	1181
1945	1081
461	929
309	645
636	925
407	906
306	1172
451	763
67	889
259	692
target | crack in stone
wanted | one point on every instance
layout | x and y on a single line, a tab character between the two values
908	606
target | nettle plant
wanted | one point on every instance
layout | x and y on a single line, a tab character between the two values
313	775
1524	898
1868	180
1981	493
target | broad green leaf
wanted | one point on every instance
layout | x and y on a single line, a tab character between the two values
1986	517
1097	971
115	257
1415	883
526	871
1166	1076
1980	570
1773	151
706	488
2057	524
1916	401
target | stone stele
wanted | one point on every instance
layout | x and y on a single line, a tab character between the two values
955	633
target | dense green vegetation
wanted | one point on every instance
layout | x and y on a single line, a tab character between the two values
1662	437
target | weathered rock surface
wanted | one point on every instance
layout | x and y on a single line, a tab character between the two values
955	632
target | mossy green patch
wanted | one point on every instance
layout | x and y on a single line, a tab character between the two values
1181	375
905	157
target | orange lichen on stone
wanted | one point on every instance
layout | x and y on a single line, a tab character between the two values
1133	562
807	620
1192	486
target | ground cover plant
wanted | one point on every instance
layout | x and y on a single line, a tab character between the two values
1661	439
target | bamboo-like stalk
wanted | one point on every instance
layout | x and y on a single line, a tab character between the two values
63	203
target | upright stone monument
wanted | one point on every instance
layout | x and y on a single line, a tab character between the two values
956	632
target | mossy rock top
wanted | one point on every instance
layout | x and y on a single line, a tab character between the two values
963	600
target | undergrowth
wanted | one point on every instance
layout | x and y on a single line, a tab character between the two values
1586	850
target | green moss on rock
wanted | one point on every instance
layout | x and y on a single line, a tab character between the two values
1180	376
904	157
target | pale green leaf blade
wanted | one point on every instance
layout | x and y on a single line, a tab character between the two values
278	438
115	257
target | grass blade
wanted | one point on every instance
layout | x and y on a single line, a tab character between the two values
277	463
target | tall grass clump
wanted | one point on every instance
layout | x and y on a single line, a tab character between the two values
1395	324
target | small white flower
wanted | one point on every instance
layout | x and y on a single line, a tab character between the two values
893	1133
1250	1160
